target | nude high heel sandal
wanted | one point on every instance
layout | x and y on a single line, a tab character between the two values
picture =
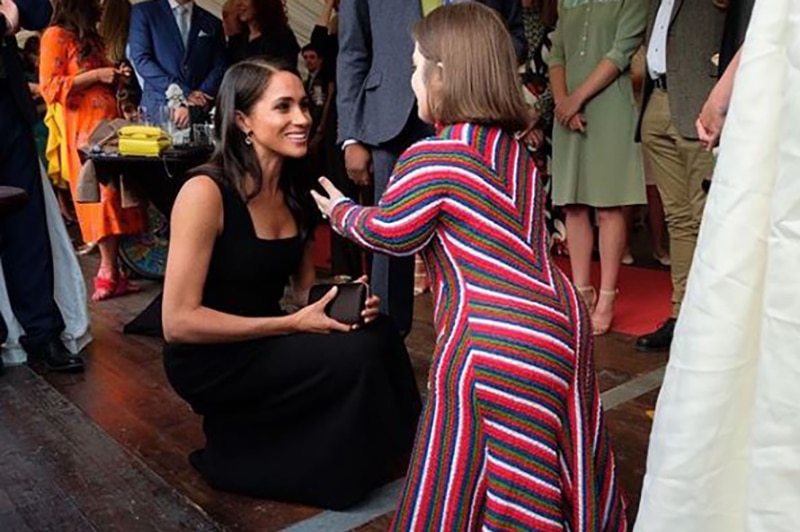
601	322
589	296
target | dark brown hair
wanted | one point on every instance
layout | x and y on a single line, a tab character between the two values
80	17
270	15
234	162
471	67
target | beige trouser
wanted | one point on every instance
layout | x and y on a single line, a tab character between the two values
679	167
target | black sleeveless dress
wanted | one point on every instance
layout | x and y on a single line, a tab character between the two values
305	418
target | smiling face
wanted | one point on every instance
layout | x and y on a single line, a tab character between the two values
280	121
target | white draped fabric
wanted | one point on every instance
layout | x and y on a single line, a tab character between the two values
70	289
725	447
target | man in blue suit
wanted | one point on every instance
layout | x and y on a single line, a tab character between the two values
377	111
24	241
176	41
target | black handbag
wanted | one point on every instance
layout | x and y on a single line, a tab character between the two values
349	303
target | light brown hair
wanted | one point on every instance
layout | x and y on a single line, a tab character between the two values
113	28
470	47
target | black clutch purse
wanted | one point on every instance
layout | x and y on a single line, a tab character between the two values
349	303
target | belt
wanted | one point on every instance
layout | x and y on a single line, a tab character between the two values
660	82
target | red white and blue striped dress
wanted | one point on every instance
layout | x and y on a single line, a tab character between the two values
512	435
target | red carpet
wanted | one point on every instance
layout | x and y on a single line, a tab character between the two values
642	304
644	297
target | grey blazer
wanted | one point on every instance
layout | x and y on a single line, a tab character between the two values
373	80
694	38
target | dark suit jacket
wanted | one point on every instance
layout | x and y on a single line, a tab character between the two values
159	57
736	24
695	36
374	96
34	15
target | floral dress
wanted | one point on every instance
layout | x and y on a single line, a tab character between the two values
536	82
62	60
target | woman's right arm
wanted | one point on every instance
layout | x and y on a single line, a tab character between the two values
195	224
556	65
55	81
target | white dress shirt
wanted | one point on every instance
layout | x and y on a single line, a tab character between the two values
657	49
188	5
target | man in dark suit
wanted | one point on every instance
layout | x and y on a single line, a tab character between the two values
176	41
684	39
377	112
24	240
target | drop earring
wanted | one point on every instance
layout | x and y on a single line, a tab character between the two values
248	139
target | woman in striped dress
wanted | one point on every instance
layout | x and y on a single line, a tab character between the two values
512	435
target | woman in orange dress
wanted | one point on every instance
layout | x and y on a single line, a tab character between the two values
74	72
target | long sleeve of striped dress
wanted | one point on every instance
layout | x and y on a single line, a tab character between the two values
405	219
512	434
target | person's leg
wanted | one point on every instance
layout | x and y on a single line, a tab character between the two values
660	143
658	226
613	236
105	283
346	256
25	242
669	171
109	252
25	248
699	166
392	277
580	241
630	213
655	216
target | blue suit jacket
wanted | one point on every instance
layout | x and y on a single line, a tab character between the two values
33	15
160	58
373	79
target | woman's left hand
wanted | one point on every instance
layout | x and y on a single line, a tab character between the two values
325	203
372	307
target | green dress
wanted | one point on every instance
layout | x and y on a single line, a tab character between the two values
601	167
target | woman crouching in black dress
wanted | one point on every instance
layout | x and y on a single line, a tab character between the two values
290	412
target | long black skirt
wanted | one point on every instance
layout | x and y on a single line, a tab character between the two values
305	418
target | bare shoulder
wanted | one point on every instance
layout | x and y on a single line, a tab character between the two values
201	188
199	202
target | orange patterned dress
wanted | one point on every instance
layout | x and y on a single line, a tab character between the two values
84	109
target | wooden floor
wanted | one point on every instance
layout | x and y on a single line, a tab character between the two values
107	450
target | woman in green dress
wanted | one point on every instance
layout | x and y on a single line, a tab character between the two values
596	163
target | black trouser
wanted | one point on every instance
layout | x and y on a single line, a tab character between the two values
24	241
393	277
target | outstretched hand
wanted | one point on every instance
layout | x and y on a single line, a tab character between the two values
312	318
325	204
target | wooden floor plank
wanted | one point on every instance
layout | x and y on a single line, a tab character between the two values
125	391
61	472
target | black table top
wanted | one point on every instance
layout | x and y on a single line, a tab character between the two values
193	155
157	179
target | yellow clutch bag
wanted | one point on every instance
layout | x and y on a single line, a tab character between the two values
147	141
